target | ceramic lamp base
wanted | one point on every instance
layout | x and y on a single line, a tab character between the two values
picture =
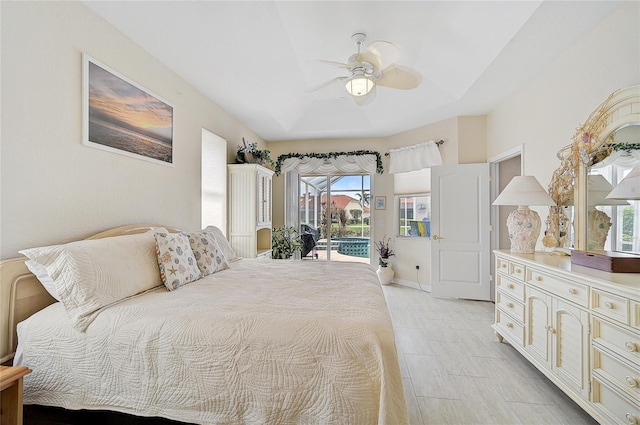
524	228
598	223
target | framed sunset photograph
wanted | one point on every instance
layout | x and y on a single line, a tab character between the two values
122	117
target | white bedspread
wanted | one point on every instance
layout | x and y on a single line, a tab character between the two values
265	342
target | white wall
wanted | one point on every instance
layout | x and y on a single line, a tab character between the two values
545	113
54	189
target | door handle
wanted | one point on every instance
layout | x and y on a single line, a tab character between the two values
436	237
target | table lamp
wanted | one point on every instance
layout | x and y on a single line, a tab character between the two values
598	222
629	187
523	224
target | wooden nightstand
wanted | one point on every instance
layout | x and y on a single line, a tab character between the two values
11	387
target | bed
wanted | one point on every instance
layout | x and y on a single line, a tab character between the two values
255	342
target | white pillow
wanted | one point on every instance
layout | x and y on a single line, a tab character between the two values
90	275
209	255
223	243
178	265
41	273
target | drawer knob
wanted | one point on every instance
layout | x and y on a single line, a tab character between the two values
510	325
539	278
631	346
608	304
518	271
573	291
632	419
510	286
631	381
510	305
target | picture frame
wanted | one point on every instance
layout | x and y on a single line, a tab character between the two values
381	202
123	117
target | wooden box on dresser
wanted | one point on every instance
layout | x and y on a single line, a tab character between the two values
250	210
579	326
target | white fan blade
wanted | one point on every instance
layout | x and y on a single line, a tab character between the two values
334	63
325	84
366	99
400	77
380	53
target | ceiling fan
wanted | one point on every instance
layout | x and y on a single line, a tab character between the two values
375	66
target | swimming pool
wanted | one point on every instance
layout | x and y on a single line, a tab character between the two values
355	247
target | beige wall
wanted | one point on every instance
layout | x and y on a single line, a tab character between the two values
542	116
465	141
545	113
54	189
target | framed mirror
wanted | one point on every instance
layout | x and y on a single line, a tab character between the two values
603	152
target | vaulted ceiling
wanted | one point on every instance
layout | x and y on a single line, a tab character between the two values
257	59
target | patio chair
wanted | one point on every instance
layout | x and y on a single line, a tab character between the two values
309	237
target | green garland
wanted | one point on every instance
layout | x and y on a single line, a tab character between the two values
282	158
627	147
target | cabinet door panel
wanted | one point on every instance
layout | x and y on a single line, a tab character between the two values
538	309
571	345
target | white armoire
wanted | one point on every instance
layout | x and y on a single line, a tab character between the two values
250	210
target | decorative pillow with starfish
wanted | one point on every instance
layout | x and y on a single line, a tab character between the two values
209	256
176	260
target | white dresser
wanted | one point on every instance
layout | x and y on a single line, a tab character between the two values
250	210
579	326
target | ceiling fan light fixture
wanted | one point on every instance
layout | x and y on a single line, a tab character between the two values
359	86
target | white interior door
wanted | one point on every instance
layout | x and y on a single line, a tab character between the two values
460	245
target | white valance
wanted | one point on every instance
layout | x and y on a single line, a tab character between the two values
340	163
623	158
416	157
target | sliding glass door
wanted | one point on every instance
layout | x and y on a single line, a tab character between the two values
335	210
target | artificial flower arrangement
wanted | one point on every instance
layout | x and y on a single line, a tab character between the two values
384	251
248	153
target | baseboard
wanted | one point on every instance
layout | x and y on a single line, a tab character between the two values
411	284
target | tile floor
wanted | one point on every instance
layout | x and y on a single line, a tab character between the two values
456	372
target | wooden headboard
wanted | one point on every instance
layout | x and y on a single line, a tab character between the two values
22	295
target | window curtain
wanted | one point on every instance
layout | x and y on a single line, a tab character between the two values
339	164
291	199
292	203
416	157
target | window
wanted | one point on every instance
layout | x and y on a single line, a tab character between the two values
415	215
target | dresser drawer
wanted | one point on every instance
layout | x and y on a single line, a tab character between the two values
510	328
571	291
511	287
615	406
510	305
516	270
635	314
621	341
625	377
502	265
610	305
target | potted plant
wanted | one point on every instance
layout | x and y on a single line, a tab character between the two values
384	272
248	153
285	241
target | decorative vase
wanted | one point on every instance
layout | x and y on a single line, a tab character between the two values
385	275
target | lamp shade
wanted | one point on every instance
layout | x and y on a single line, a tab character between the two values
524	190
598	189
629	187
359	86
